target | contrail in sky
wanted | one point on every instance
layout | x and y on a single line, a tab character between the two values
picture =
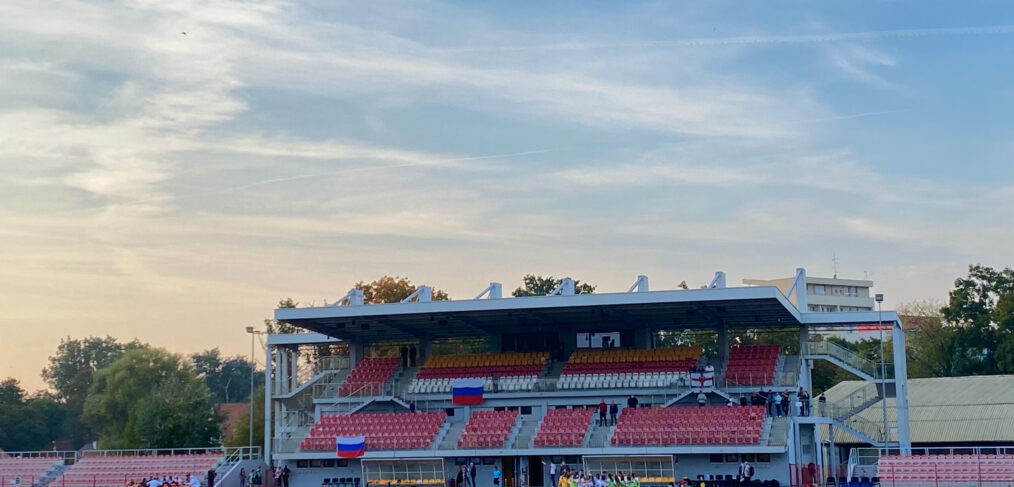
377	168
762	39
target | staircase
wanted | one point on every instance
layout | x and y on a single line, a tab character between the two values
450	439
844	358
402	378
526	432
555	369
777	431
599	436
50	475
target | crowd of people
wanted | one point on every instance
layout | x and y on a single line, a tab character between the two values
775	403
255	477
166	481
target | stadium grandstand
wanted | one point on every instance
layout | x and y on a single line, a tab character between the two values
409	393
187	467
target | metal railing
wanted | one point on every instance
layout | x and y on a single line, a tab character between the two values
141	452
39	454
849	405
824	347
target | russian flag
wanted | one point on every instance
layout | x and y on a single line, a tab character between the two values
350	446
466	391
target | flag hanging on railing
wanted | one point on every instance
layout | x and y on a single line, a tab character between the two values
350	446
702	377
466	391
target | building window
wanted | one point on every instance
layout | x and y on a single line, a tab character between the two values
851	291
818	289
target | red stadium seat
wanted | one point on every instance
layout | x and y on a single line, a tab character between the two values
690	425
383	431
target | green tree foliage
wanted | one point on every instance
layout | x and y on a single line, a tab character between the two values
241	435
123	394
71	371
22	425
272	325
979	307
541	286
389	289
177	413
228	378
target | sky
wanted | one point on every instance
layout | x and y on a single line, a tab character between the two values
171	169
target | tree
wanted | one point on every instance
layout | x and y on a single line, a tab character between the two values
972	307
21	426
71	371
389	289
541	286
272	325
118	396
241	435
227	378
177	413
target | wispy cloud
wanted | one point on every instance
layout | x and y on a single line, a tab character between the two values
762	39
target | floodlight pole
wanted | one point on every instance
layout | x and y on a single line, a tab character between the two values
251	331
883	366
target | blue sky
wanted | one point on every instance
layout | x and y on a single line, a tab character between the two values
173	187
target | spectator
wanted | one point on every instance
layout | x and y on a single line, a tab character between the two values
631	401
728	402
285	476
806	403
702	399
821	401
496	476
613	411
552	472
194	481
785	403
745	473
459	481
412	354
411	407
755	399
471	473
404	356
242	477
742	400
769	401
211	480
778	404
602	412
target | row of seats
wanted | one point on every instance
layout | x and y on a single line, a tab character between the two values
564	427
369	376
480	371
382	431
113	471
621	380
752	365
27	468
486	360
488	429
507	364
946	468
503	384
631	360
689	425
